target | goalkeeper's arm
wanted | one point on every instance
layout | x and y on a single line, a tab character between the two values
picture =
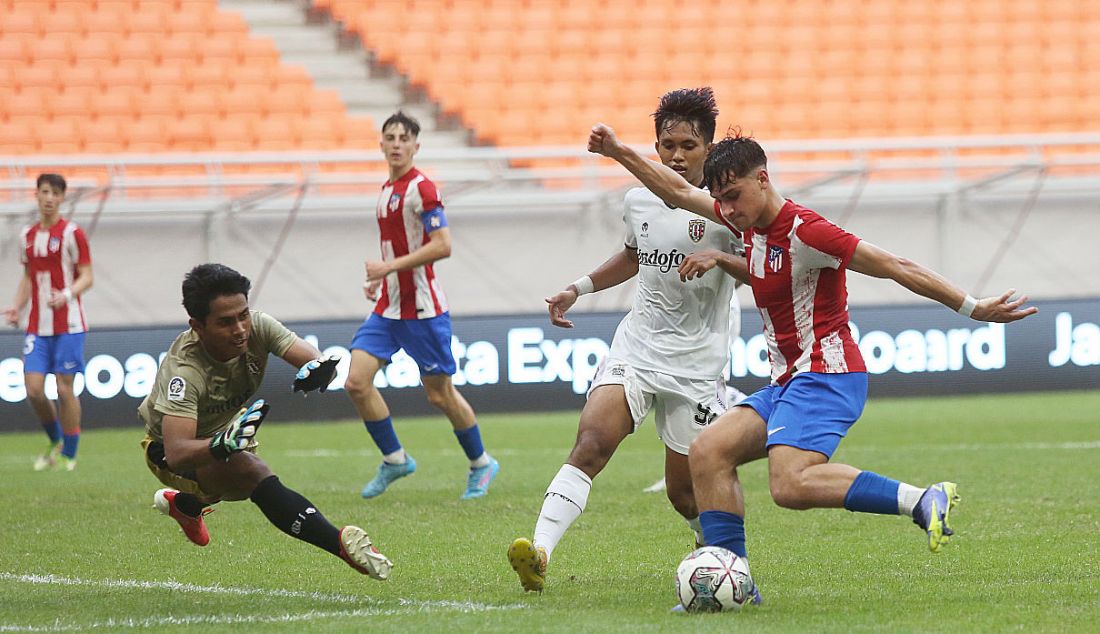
184	452
314	371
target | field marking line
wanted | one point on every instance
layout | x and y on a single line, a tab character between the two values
175	586
205	619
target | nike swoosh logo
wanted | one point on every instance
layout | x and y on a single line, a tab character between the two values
777	429
70	365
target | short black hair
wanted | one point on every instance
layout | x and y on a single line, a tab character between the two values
207	282
410	123
732	157
53	180
695	106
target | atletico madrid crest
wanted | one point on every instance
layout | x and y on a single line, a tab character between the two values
696	229
775	258
395	202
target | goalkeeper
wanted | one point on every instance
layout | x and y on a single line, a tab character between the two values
203	448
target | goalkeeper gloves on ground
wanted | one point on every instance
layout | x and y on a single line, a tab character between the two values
316	375
240	432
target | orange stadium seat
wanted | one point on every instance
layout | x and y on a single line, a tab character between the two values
521	72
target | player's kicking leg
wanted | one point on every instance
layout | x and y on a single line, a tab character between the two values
605	422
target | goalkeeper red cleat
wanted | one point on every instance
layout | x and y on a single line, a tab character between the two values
193	527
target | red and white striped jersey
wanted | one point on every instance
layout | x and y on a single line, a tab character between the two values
415	293
797	265
51	257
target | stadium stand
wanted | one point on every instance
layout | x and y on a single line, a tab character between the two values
529	72
85	76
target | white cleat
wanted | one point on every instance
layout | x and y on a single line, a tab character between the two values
358	551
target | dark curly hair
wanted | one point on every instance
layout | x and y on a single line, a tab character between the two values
207	282
695	106
732	157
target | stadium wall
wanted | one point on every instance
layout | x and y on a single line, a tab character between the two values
506	261
511	363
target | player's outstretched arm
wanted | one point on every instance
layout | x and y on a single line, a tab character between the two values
871	260
661	180
314	371
699	262
614	271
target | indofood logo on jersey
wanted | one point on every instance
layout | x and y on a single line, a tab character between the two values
696	229
665	262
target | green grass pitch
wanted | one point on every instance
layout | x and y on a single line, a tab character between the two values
86	550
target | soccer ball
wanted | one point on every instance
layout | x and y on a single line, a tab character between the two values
713	579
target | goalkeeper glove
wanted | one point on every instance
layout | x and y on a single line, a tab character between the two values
316	374
240	432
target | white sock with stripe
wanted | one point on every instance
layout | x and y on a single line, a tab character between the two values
565	499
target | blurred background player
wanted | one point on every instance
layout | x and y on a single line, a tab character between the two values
410	313
57	270
668	352
797	262
197	442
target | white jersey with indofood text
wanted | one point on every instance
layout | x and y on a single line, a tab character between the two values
675	327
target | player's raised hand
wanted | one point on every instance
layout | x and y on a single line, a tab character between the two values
1003	309
560	304
602	140
240	432
316	374
695	264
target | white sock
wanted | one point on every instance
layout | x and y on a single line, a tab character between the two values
565	498
397	457
697	527
908	496
480	461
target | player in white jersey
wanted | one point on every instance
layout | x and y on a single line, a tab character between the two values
668	352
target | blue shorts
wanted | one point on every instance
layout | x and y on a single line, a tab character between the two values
427	341
55	354
813	411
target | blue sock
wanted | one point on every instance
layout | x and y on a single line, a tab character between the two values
872	493
724	530
470	439
69	443
53	430
383	434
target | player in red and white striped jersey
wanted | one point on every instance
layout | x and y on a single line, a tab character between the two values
57	270
797	262
411	313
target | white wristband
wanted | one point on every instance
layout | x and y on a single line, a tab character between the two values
583	285
68	293
968	306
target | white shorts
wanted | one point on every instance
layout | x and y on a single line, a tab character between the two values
683	407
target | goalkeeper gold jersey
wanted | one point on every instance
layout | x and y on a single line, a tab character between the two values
191	384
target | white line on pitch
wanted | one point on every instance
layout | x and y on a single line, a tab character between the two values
206	619
274	593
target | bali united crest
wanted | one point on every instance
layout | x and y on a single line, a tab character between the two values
696	229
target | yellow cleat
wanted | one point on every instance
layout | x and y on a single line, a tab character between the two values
529	563
933	513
